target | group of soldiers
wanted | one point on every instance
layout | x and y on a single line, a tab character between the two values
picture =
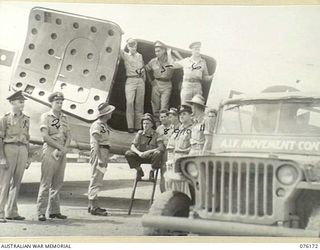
182	131
159	72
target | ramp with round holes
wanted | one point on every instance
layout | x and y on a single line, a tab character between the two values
74	54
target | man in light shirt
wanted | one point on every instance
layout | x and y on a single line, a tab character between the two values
135	85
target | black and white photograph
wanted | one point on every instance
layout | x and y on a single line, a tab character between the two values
159	120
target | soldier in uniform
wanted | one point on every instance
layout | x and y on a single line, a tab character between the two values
161	82
99	157
164	131
208	133
194	71
182	147
182	142
147	147
135	85
55	132
14	147
201	125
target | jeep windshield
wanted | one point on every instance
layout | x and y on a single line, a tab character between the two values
276	117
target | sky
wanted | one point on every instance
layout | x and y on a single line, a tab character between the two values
255	46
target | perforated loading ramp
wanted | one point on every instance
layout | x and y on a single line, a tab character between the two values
73	54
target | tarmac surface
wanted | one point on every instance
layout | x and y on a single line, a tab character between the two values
115	197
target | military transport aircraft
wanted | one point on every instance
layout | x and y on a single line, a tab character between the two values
79	56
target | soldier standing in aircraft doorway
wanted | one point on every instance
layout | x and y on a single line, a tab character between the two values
135	85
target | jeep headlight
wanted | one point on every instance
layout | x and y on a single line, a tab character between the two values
192	169
287	174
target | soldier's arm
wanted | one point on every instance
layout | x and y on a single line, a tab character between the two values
135	150
46	138
96	147
134	144
45	135
208	133
2	134
173	64
206	77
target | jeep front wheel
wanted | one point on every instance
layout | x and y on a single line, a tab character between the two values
171	203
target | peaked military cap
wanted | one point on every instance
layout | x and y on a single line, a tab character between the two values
173	111
16	96
159	44
131	42
195	44
56	96
185	108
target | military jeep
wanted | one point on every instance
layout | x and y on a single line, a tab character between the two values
261	177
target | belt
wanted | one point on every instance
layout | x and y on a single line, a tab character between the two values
16	143
104	146
136	76
163	79
191	80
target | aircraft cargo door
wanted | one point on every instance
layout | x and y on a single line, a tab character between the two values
74	54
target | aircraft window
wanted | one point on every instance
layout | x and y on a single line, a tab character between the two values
73	106
103	78
41	93
69	67
34	31
109	49
63	85
46	66
31	46
58	21
96	98
75	25
54	36
51	52
38	17
85	71
80	89
19	84
90	111
73	52
27	61
23	74
42	80
111	32
90	56
93	29
3	58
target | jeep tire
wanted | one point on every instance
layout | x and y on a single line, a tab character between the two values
170	203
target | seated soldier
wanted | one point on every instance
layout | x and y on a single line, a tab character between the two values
147	147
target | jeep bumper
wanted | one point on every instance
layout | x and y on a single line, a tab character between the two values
200	226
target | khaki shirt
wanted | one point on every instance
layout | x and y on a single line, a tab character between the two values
58	127
144	142
99	128
202	126
182	141
134	63
164	133
174	134
15	129
192	69
160	70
